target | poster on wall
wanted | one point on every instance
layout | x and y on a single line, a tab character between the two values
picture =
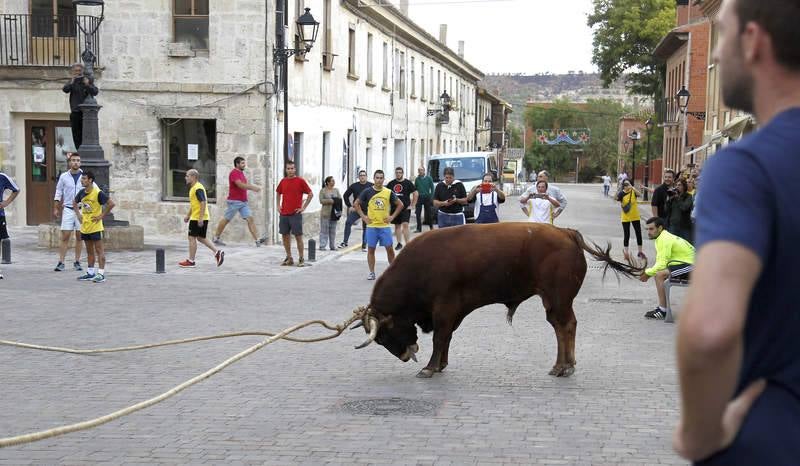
38	154
192	151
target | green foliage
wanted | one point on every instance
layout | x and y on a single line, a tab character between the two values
516	135
597	157
625	34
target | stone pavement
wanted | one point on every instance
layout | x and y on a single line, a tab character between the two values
327	403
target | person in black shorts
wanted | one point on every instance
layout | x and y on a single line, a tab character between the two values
405	190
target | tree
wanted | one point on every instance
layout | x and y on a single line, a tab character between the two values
625	34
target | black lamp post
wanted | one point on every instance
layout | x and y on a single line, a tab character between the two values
308	28
634	136
92	155
625	144
649	124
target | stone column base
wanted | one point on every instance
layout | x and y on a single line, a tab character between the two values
114	238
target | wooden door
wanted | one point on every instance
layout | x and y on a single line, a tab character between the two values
46	146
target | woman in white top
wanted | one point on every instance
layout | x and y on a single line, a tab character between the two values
539	207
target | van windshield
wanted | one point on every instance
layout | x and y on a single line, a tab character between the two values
465	168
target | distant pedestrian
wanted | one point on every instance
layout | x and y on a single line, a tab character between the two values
539	207
290	191
449	198
329	215
674	259
78	88
628	199
92	205
353	191
406	191
198	218
488	197
606	184
378	202
424	185
6	184
552	190
237	202
68	186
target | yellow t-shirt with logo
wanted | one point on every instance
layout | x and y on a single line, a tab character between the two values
633	214
91	205
379	205
196	203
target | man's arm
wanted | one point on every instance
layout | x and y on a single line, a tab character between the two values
562	203
309	196
346	197
90	87
10	199
663	253
398	209
710	348
68	87
461	197
248	186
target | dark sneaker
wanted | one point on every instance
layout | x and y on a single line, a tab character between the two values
60	267
258	243
262	240
371	276
77	266
218	241
288	261
187	264
656	314
363	248
86	277
398	247
342	245
301	262
220	257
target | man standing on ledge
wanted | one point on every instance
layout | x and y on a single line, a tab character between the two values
738	345
291	205
78	88
198	218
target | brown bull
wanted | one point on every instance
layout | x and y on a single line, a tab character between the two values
443	275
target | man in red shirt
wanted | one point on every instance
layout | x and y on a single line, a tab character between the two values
291	204
237	202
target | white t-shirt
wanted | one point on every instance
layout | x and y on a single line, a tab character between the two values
606	180
539	210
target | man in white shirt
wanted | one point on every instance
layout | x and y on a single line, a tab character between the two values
552	191
69	184
606	184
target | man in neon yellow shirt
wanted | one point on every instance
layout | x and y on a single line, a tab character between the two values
674	259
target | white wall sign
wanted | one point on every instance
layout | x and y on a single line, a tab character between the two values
192	151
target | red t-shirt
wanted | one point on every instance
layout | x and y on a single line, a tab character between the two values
292	190
236	193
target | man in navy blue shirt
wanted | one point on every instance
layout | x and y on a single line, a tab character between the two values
6	184
739	335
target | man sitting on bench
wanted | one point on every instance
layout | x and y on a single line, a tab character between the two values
674	259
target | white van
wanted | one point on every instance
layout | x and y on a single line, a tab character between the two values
469	168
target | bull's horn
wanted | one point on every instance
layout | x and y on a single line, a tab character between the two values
373	332
360	324
414	357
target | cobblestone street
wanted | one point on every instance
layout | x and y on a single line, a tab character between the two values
326	402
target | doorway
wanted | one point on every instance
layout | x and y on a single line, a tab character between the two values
46	146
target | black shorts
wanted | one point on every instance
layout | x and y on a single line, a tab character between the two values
196	230
404	217
3	229
291	224
680	271
96	236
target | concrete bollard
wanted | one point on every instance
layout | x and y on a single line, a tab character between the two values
5	245
312	250
160	261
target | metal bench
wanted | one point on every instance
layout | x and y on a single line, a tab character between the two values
669	283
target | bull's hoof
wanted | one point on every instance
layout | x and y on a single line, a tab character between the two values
425	373
562	370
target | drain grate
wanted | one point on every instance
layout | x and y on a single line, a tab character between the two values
616	300
390	407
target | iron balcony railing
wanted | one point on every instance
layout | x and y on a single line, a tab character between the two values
46	40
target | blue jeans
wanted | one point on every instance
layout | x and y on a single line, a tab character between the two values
352	217
450	220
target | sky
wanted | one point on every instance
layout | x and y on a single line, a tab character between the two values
513	36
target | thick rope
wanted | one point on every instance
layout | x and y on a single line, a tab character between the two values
41	435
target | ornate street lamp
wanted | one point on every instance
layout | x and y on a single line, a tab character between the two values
649	124
683	97
443	111
634	136
308	28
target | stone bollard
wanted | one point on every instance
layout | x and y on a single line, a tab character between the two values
5	245
160	261
312	250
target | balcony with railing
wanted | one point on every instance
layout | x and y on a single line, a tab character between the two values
46	40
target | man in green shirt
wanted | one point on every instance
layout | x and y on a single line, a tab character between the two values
424	185
674	259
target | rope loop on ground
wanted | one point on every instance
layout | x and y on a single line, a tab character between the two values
358	313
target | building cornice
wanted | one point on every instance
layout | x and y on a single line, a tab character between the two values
393	22
674	40
710	8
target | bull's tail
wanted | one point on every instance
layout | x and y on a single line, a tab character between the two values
604	255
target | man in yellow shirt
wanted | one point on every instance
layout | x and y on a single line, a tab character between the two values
91	206
674	259
198	218
379	216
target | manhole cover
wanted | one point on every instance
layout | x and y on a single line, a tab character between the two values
390	407
616	300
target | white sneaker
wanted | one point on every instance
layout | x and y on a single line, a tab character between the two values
371	276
